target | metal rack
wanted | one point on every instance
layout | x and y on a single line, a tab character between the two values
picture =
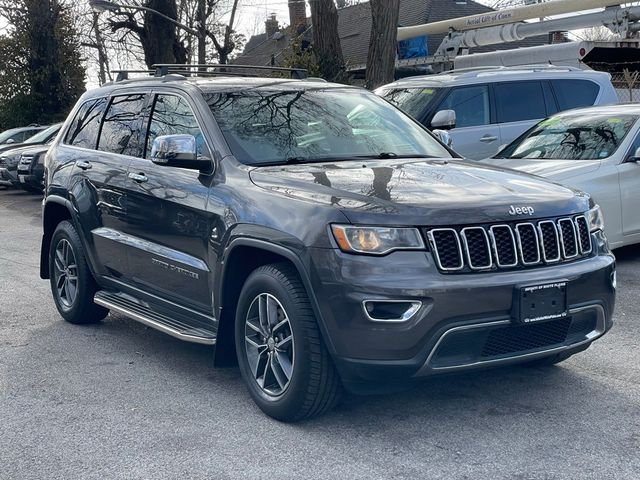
210	70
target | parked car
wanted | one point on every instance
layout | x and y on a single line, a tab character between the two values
488	107
31	169
316	235
10	156
19	135
594	149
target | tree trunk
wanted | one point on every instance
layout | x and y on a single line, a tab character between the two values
159	40
381	60
103	60
326	41
202	30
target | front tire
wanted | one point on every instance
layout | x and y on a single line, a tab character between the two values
282	358
72	283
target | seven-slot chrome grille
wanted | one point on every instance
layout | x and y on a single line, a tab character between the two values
514	245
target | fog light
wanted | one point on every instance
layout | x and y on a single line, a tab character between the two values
390	310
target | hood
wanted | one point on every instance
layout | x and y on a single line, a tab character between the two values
12	155
37	150
427	192
4	149
556	170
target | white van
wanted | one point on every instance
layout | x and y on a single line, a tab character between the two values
494	105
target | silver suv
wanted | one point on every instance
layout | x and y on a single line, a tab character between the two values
485	108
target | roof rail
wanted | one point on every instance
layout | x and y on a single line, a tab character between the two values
203	69
124	74
499	68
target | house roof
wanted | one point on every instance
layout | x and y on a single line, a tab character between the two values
354	28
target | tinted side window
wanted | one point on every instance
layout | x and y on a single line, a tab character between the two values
471	105
121	125
172	115
83	131
575	93
518	101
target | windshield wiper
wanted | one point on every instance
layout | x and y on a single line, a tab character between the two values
298	160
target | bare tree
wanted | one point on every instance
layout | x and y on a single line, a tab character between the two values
381	59
326	41
596	34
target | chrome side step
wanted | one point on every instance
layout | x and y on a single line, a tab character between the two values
142	313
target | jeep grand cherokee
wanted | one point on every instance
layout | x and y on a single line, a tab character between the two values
314	233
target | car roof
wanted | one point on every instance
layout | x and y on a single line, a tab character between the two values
28	127
477	75
219	83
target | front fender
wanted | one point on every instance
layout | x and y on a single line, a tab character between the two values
282	245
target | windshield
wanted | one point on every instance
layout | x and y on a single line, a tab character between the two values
584	137
266	126
44	135
413	101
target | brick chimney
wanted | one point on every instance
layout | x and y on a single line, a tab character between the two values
271	25
298	14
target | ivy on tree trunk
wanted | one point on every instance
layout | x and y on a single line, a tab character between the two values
381	59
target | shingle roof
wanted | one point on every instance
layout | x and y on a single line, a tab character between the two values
354	28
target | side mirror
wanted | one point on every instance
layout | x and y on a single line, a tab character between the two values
635	157
443	136
178	151
444	120
10	141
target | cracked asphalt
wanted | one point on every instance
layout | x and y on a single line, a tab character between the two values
118	400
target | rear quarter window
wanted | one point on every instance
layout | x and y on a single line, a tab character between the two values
575	93
519	101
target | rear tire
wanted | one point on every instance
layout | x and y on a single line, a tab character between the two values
72	283
282	358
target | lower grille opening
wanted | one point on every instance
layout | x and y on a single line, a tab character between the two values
466	347
526	337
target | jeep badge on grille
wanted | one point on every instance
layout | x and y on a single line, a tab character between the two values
520	210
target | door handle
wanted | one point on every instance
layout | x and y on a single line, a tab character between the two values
488	139
138	177
83	165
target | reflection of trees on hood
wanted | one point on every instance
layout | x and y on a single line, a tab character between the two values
380	187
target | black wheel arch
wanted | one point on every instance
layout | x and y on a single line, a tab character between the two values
241	257
55	209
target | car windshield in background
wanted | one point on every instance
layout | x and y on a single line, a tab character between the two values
296	126
44	135
413	100
583	137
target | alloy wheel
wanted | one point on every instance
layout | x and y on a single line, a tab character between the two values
269	344
66	273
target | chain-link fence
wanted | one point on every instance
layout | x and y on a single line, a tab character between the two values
627	85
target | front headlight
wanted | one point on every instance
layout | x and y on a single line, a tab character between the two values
376	240
595	219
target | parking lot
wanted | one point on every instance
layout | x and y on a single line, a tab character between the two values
119	400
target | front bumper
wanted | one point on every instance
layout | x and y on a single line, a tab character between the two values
465	321
8	176
29	180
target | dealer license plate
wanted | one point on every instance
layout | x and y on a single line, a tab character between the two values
538	303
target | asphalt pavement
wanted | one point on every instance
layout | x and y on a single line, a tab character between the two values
119	400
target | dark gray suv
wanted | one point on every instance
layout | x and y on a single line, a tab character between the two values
316	235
